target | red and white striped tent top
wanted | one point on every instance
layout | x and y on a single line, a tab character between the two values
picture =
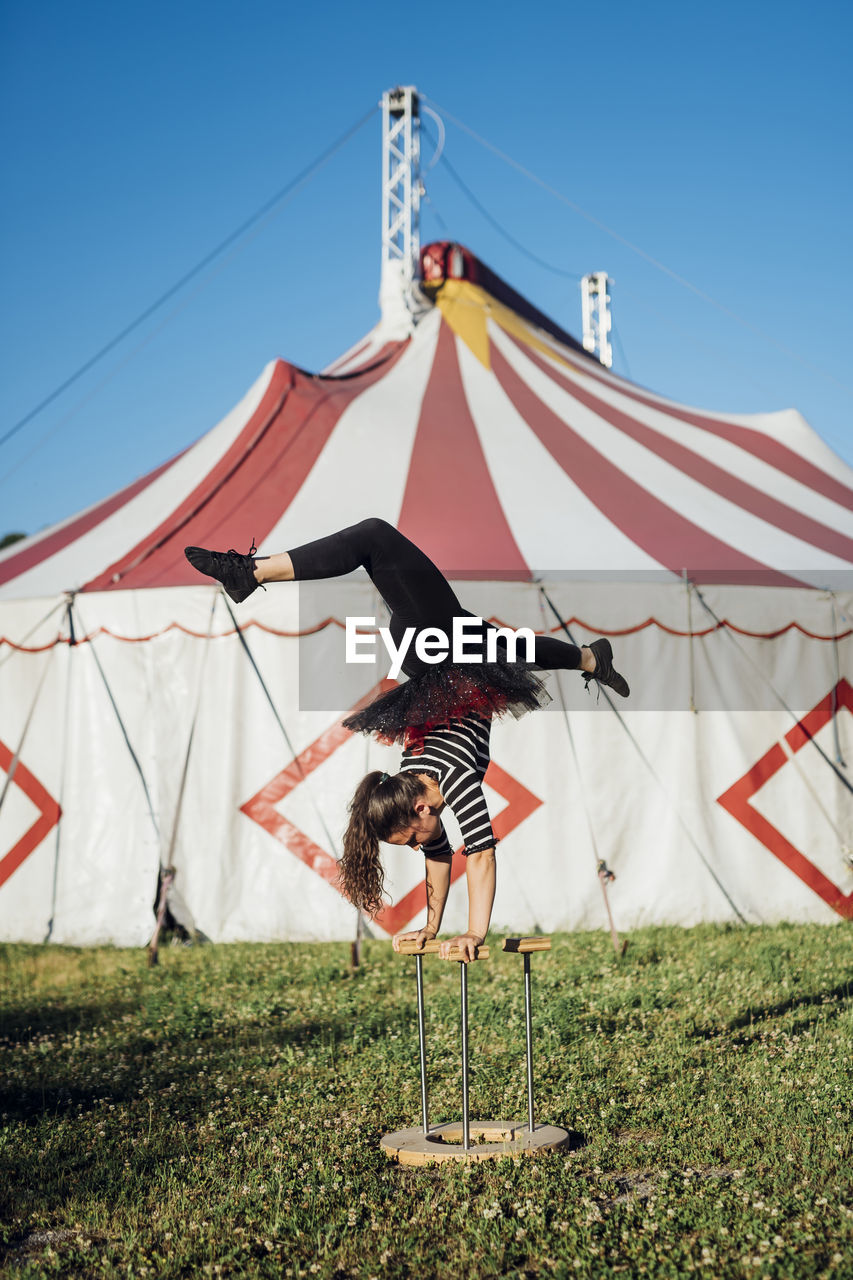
493	441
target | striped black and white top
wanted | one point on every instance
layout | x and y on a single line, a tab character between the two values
457	756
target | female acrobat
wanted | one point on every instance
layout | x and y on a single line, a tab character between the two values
441	715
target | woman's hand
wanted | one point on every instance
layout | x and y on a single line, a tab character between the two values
467	944
418	935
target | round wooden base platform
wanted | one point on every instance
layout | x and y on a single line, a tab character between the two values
490	1139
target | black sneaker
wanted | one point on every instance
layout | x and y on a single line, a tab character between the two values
234	570
604	672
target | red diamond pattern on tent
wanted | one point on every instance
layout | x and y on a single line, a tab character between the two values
49	814
261	808
736	799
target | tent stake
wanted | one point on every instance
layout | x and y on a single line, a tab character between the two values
166	881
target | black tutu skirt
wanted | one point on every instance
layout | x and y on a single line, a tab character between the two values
445	692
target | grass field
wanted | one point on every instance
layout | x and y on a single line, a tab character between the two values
220	1114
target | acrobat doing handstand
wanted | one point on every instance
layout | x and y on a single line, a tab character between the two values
441	715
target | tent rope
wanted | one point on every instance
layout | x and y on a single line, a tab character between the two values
839	758
278	198
17	756
492	220
681	822
134	757
168	872
605	875
628	244
797	721
185	771
279	721
690	636
63	779
791	757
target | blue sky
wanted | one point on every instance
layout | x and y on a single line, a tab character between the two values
136	137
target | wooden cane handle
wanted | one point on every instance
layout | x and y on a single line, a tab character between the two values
525	945
409	947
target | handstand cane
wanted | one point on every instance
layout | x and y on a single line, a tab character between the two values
525	946
410	948
492	1138
419	966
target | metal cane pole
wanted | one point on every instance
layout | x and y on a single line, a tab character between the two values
525	946
419	965
529	1028
409	947
463	991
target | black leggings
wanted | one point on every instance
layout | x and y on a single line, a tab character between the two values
416	592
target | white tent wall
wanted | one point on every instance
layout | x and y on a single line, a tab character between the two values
602	802
639	790
108	844
90	879
239	879
27	892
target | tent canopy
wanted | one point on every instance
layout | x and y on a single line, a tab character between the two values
536	458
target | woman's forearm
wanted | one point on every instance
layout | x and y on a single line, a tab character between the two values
481	874
437	889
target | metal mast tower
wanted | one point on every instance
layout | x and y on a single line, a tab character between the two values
595	302
401	196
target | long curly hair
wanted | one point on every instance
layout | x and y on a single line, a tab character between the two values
382	804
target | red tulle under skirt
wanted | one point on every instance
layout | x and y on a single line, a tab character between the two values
408	712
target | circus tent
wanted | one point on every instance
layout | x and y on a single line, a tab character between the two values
147	722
